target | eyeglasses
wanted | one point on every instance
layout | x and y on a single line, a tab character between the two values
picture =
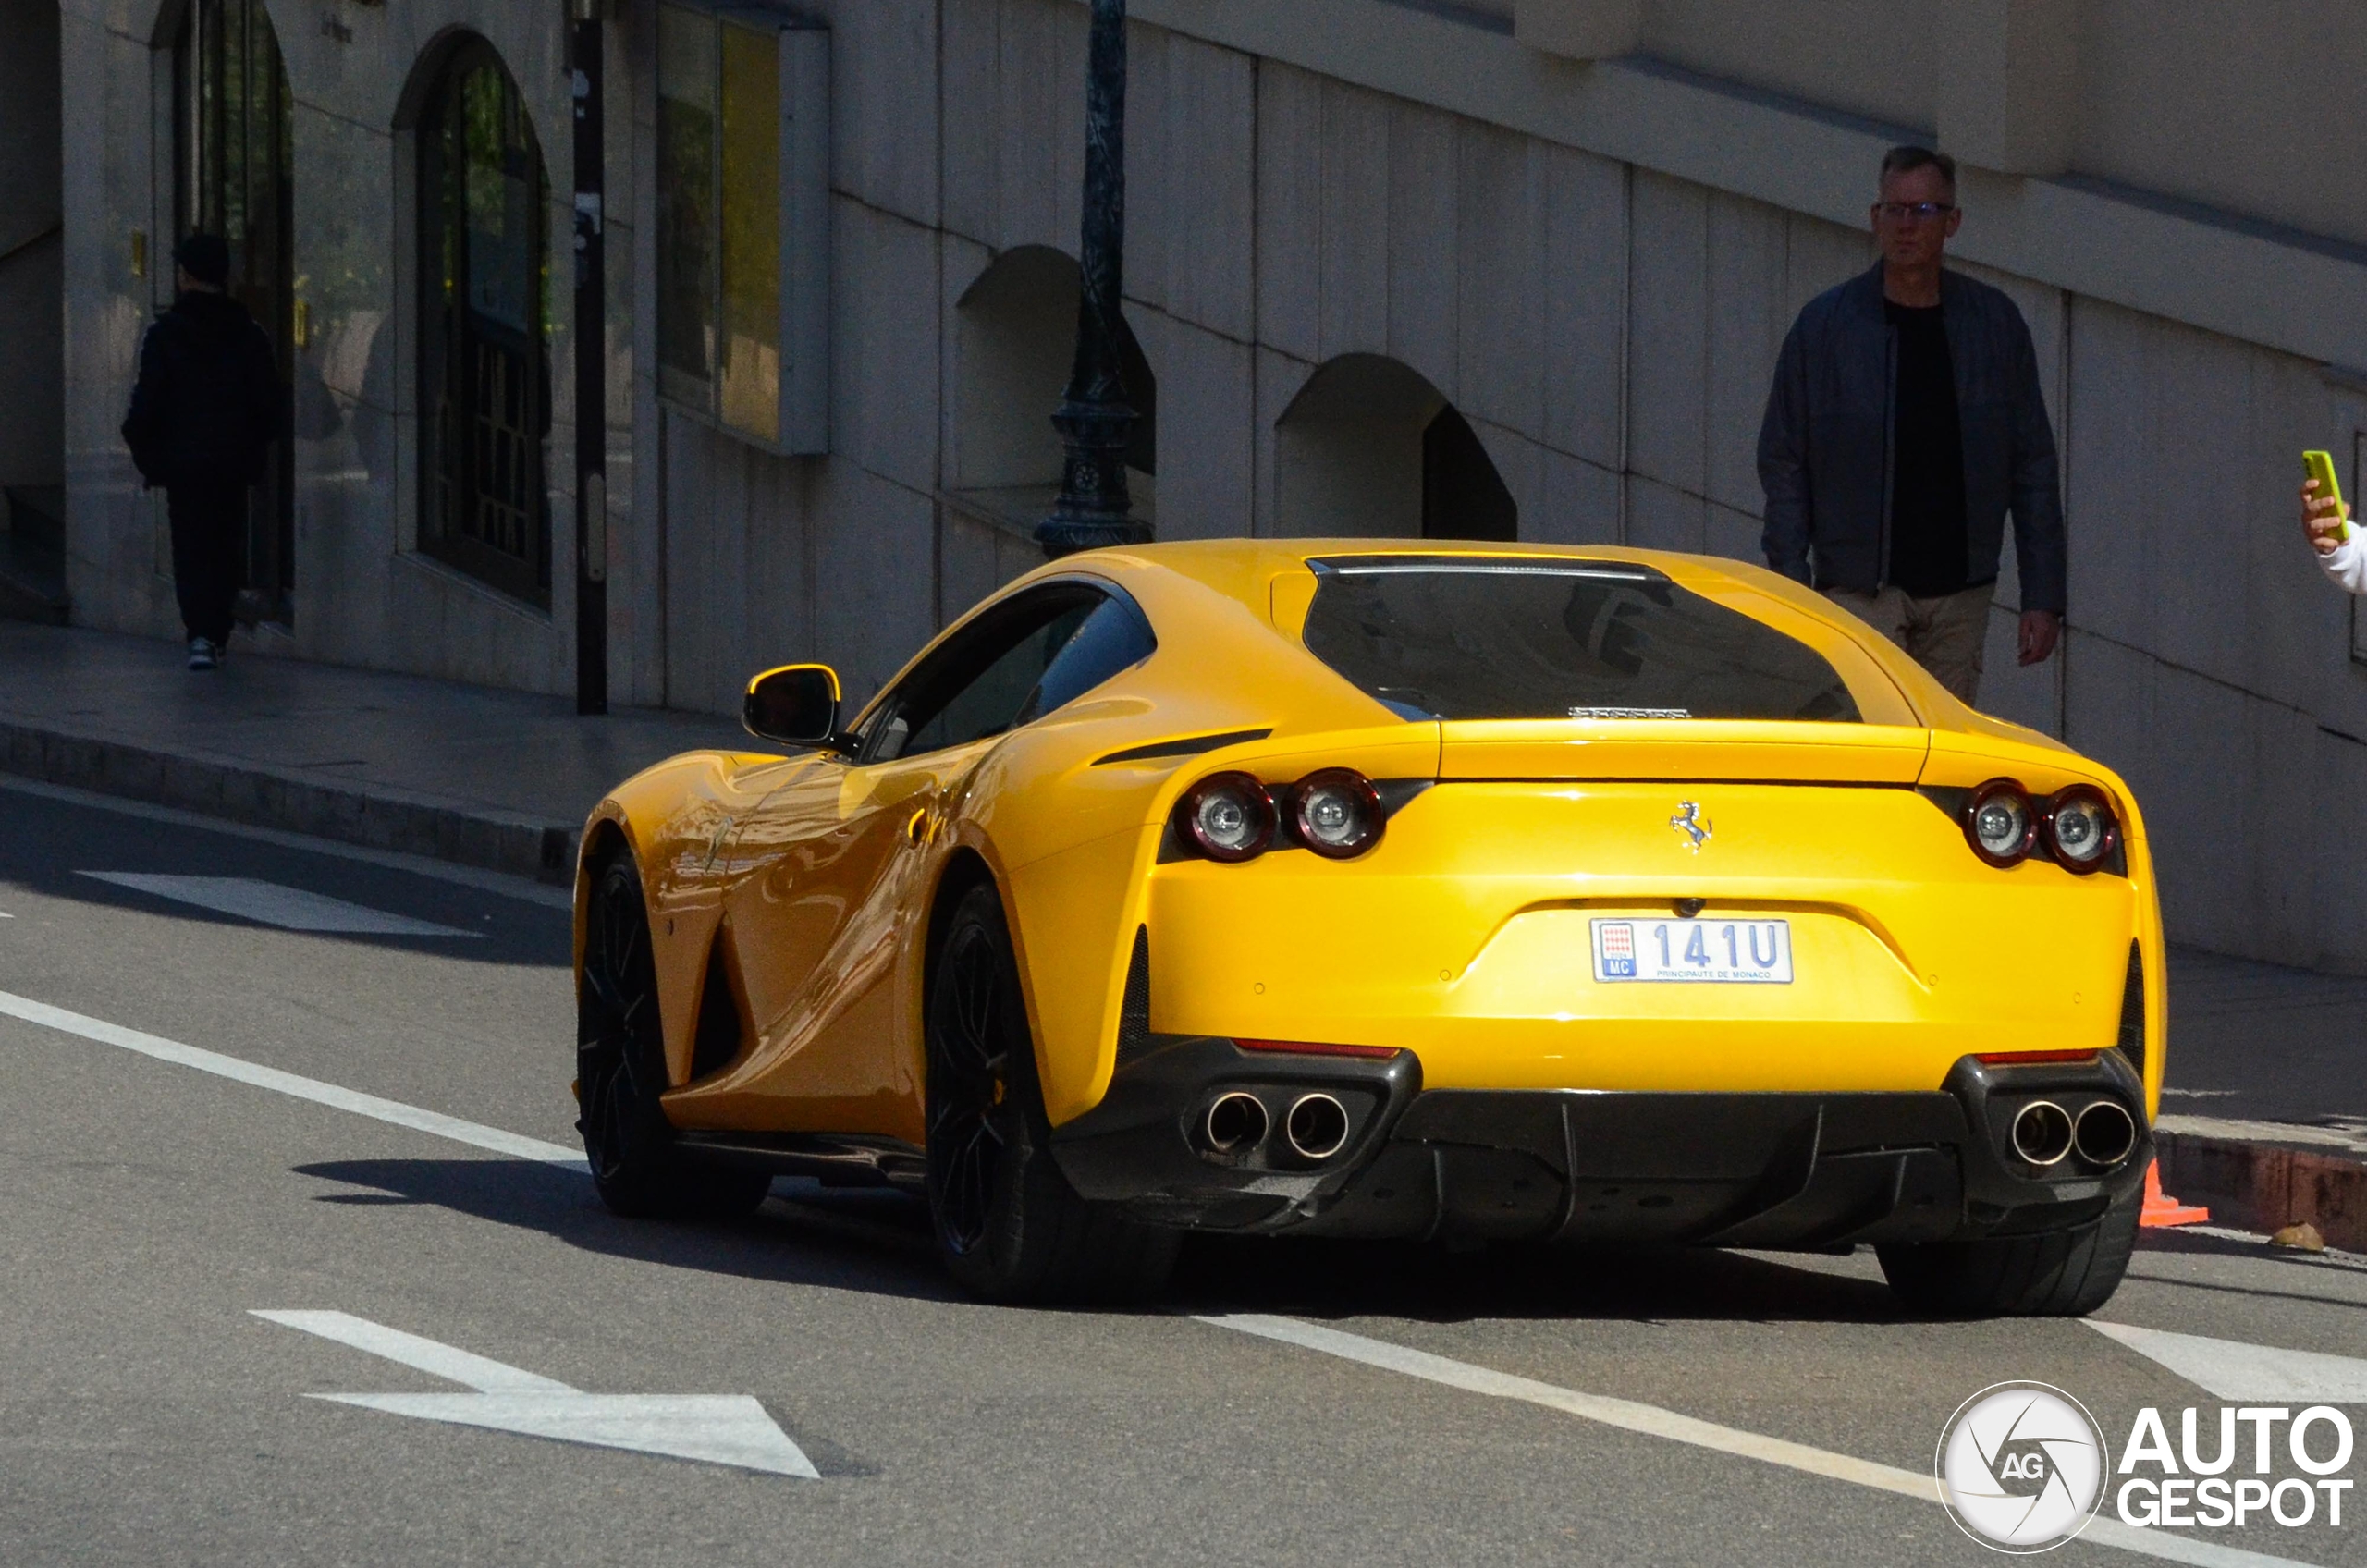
1912	211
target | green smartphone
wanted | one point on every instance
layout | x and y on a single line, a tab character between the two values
2320	466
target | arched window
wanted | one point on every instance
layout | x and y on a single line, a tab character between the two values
1369	447
484	379
1015	334
231	158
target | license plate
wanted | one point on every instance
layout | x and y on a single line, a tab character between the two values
1731	953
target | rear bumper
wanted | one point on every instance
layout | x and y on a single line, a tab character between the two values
1761	1169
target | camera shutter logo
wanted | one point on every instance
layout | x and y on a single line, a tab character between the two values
2021	1467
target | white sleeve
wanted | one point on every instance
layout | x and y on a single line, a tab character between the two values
2348	564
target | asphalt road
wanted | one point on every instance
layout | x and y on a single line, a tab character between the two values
153	1207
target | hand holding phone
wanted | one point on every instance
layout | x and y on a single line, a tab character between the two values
2323	517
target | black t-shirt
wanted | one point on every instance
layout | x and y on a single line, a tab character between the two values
1926	525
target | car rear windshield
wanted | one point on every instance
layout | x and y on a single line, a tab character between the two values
1456	638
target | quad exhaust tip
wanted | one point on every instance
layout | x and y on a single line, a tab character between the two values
1316	1126
2106	1133
1236	1122
2043	1132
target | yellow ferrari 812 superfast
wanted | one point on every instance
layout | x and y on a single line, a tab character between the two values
1376	888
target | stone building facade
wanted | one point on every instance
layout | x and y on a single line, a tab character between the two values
1502	264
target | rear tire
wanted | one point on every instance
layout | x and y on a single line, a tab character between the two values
1009	1227
2067	1273
621	1070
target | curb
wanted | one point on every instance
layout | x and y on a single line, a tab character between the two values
2266	1187
238	790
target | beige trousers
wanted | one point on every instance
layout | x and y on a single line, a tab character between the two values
1945	635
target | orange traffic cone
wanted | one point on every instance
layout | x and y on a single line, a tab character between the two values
2162	1209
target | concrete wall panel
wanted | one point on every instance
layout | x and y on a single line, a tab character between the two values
1581	504
1747	273
1500	279
884	104
1353	208
1661	516
1210	127
1423	234
1289	209
872	543
885	341
1585	287
1668	348
1206	427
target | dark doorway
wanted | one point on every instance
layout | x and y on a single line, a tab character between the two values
485	314
1463	496
232	179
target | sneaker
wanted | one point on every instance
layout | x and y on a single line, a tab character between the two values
203	654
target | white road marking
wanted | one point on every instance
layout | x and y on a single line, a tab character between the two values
2246	1373
1653	1421
430	1356
509	887
733	1429
662	1425
475	1134
269	903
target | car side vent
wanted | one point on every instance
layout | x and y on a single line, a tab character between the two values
1134	1012
2132	1011
718	1039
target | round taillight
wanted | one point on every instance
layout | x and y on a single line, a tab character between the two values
1999	824
2080	828
1228	817
1336	813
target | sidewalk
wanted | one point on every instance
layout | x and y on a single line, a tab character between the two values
2264	1118
484	778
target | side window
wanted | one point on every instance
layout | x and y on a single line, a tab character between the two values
1029	656
1113	638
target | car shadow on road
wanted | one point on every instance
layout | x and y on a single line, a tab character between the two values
1316	1278
876	1240
868	1241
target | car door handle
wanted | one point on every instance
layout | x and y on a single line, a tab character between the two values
916	831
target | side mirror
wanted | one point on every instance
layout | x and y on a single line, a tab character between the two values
796	705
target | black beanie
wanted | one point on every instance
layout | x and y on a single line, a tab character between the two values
206	258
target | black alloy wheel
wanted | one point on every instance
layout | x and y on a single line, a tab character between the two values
1009	1227
621	1070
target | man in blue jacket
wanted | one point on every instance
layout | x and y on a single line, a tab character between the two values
202	417
1905	422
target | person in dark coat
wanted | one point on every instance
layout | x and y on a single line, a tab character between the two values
203	415
1906	423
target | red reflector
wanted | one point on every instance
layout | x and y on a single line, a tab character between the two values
1305	1049
2017	1058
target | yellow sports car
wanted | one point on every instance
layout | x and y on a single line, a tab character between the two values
1391	889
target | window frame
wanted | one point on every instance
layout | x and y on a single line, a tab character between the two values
798	398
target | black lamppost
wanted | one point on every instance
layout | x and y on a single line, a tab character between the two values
1094	419
591	366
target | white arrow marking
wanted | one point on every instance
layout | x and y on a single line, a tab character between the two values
2234	1370
713	1429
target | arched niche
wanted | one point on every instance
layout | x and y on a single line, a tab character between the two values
1014	337
1370	449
